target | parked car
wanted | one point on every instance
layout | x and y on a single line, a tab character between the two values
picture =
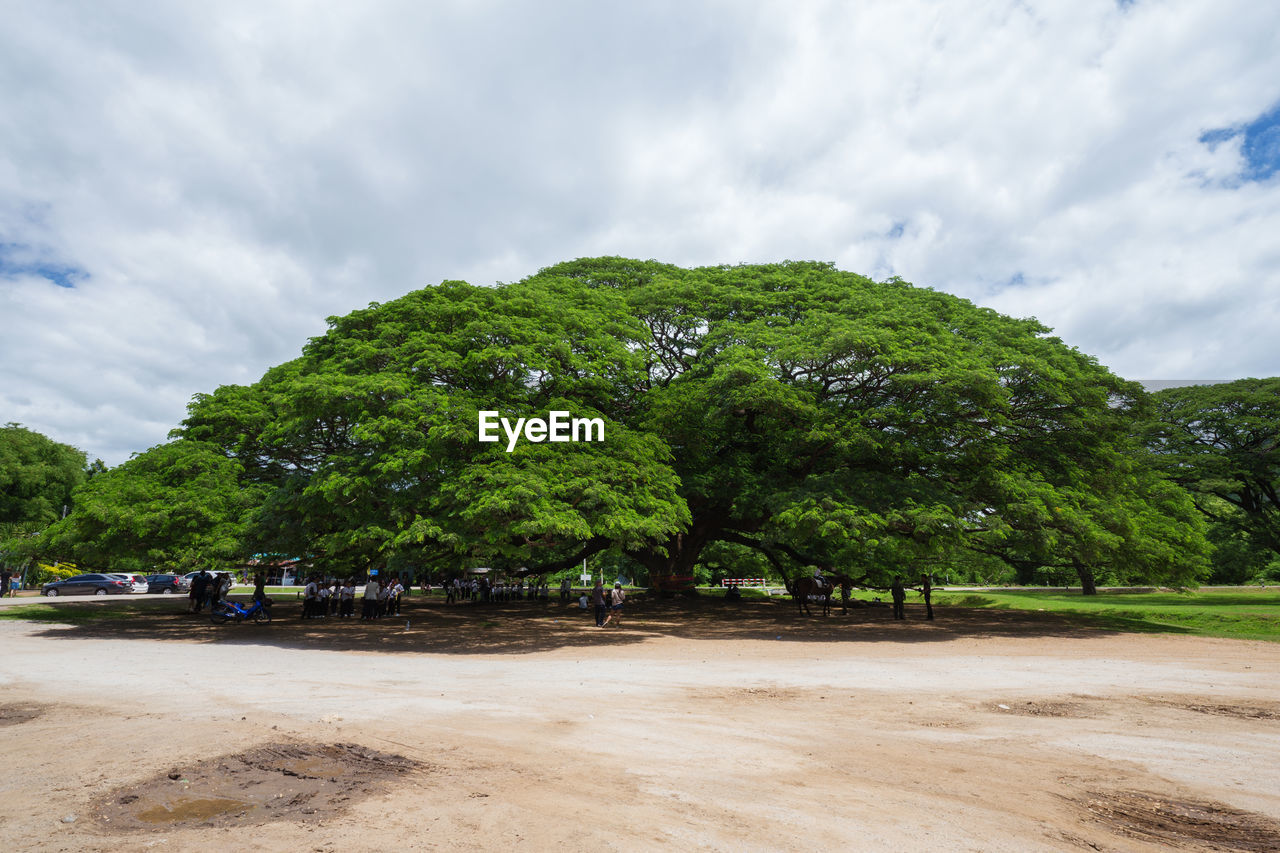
91	584
137	583
168	584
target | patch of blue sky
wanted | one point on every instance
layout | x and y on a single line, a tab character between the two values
1259	145
1015	280
19	259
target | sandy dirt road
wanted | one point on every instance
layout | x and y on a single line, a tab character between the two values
692	727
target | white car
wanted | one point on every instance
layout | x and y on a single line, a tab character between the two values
137	583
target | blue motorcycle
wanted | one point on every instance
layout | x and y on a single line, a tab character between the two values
229	611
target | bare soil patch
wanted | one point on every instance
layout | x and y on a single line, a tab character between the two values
1040	708
695	726
285	781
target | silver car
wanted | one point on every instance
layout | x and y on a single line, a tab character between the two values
137	583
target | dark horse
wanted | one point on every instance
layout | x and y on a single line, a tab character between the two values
806	587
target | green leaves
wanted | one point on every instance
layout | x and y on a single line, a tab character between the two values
808	413
1222	443
37	476
37	479
178	506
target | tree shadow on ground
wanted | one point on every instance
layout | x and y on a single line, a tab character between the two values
428	625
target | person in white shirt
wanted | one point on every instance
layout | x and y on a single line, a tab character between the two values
347	599
322	602
310	599
384	598
372	589
617	597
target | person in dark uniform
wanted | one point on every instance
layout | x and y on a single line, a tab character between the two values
200	590
926	588
598	602
899	597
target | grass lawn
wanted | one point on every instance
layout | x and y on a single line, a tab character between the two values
41	611
1248	613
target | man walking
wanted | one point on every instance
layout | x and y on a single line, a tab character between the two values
899	597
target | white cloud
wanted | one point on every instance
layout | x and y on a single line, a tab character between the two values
227	175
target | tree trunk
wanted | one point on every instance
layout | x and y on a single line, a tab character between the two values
676	558
1087	584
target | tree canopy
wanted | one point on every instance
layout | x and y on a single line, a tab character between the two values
37	478
1222	443
811	415
181	505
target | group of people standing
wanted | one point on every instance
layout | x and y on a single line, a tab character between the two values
322	597
207	589
484	590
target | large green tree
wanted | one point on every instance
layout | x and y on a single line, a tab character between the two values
1222	443
809	414
178	506
37	478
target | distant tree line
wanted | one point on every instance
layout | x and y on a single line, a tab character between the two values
761	420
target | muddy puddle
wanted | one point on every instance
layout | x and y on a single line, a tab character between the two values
15	714
1178	824
286	781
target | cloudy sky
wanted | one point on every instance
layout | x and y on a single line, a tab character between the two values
187	190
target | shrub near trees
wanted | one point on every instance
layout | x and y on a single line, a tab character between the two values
809	415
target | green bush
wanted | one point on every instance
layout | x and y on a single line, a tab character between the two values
42	573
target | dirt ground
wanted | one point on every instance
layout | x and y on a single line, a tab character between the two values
694	726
